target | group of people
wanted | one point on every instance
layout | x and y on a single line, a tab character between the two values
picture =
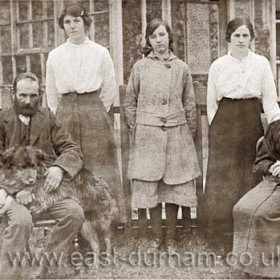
161	115
235	216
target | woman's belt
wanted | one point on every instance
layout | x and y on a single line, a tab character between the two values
170	120
78	93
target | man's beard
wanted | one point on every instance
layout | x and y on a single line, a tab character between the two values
26	109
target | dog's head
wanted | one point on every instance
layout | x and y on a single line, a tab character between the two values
24	163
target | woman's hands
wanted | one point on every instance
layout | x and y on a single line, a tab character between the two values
274	169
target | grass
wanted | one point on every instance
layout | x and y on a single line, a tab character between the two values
134	262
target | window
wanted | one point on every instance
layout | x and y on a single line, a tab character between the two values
278	46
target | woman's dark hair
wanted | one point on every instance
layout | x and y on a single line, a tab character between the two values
26	76
75	10
236	23
272	138
151	27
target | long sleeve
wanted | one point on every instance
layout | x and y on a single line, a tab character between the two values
269	95
131	97
264	159
53	95
108	84
69	154
212	104
189	102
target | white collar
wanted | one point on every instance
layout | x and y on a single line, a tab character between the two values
85	42
249	54
24	119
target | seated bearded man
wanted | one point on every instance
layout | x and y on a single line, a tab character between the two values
27	124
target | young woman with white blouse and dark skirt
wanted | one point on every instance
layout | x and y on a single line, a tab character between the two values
239	85
80	87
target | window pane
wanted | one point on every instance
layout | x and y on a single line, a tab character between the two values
50	34
37	9
23	36
4	12
101	24
6	39
101	5
35	64
23	10
278	41
50	9
277	9
154	8
38	33
21	64
278	79
7	70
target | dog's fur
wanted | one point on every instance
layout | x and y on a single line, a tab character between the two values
24	167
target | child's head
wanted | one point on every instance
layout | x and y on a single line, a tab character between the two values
272	138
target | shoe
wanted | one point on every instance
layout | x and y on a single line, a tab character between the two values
171	246
153	245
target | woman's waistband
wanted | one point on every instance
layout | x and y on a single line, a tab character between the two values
241	100
170	120
80	93
246	104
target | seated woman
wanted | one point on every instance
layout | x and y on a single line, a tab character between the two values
256	247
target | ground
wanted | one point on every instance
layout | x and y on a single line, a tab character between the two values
130	261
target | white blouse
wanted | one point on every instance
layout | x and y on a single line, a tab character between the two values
81	68
248	78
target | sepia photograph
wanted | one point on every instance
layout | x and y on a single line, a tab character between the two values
139	139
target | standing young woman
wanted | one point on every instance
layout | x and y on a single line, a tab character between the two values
80	86
161	113
238	83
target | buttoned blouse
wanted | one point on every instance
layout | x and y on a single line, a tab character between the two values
241	79
80	68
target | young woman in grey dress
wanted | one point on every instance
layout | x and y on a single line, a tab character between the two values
161	114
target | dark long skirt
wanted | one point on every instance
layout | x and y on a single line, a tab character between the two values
233	134
87	121
256	247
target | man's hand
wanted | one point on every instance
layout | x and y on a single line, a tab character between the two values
24	197
274	169
54	177
3	196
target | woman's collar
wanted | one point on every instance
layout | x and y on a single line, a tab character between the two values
169	58
249	54
85	42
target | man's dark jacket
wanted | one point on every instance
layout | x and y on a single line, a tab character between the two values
45	133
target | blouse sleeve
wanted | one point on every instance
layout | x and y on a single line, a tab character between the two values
108	84
53	95
212	104
269	95
131	97
189	102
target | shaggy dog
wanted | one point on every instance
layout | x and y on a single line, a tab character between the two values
24	168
